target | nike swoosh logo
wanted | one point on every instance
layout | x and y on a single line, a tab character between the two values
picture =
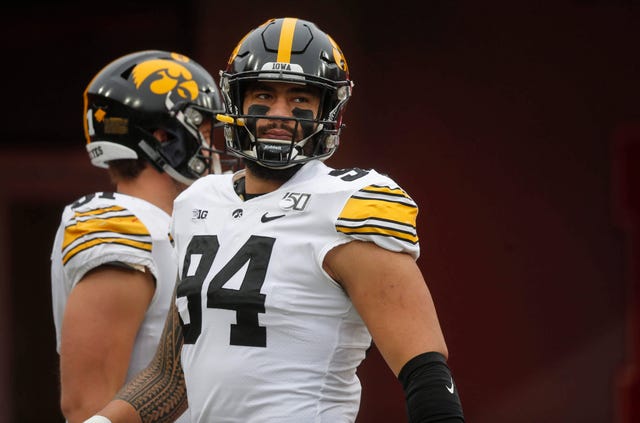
451	388
265	218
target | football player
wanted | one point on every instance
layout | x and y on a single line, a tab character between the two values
289	269
147	119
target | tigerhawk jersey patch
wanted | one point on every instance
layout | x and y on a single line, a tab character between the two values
268	336
110	227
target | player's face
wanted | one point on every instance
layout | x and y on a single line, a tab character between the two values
282	100
205	129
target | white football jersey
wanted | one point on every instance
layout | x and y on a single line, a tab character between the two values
269	336
107	227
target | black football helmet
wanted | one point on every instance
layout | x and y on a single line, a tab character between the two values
138	93
285	50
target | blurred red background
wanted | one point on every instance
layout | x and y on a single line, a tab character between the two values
514	126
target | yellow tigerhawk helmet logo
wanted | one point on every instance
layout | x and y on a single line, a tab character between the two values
341	61
234	53
171	75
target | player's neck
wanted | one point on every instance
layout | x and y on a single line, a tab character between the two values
157	188
261	180
254	184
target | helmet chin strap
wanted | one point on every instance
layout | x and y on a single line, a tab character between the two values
215	161
159	161
175	175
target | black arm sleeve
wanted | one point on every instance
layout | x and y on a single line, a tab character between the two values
430	392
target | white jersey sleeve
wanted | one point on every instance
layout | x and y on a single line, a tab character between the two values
269	336
107	227
102	232
380	212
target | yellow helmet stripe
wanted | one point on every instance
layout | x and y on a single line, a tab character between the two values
286	39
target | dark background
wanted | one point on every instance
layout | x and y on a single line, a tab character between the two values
513	124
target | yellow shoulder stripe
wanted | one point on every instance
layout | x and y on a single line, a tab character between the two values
125	225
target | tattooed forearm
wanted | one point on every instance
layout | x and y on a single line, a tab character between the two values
159	392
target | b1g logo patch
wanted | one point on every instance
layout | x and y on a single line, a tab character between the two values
199	214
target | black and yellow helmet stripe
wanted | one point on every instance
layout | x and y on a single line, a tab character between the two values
286	39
